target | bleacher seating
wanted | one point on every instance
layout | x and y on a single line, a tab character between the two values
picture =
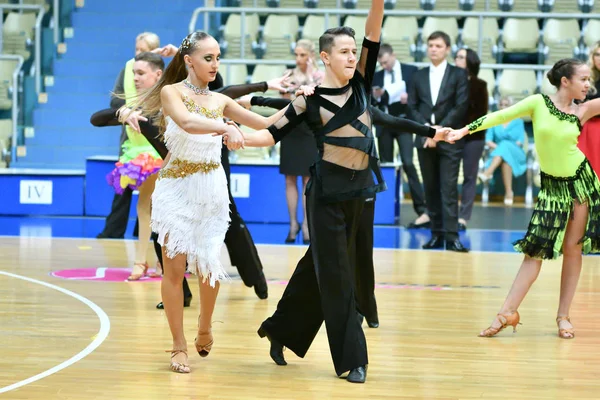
17	33
273	36
561	37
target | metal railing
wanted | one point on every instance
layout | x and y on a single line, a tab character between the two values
239	61
38	38
481	15
15	100
56	20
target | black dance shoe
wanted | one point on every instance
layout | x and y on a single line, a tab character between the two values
186	303
358	375
276	351
291	237
456	245
436	242
373	323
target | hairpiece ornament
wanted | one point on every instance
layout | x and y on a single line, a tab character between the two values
185	44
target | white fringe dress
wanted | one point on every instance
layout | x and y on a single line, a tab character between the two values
190	203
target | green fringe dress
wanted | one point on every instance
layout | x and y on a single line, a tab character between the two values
566	177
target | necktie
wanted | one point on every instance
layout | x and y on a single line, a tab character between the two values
393	77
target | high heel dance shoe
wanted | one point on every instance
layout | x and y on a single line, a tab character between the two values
158	272
276	350
506	320
138	266
182	368
305	236
207	338
291	237
568	333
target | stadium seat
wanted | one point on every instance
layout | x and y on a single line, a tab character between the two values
565	6
7	68
357	22
470	37
314	26
517	83
401	33
279	32
18	33
519	36
590	32
6	131
561	37
233	74
231	38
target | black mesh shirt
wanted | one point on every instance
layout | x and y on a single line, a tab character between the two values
347	166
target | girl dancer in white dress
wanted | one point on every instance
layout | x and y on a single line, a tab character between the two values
190	204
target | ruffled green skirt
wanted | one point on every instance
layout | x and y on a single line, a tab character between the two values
546	232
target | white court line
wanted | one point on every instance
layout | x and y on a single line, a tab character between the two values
100	336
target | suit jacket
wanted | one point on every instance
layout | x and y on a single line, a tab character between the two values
451	107
396	109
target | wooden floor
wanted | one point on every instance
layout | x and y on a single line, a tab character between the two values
431	305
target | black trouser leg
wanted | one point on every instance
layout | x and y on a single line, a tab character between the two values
116	221
365	272
449	165
406	144
322	288
430	170
239	242
470	157
241	249
385	141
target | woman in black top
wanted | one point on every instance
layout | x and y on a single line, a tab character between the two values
475	143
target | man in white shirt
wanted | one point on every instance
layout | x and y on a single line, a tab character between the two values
439	96
390	95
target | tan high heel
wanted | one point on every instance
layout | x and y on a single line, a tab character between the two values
158	272
506	320
204	349
182	368
562	333
136	277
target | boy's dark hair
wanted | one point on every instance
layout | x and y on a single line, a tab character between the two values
326	40
154	60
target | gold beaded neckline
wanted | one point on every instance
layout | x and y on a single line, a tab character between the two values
194	108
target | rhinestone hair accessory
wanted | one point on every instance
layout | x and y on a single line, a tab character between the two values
200	91
185	44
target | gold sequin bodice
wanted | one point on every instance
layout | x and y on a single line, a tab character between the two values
191	153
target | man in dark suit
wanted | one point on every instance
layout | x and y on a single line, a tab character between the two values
439	96
390	95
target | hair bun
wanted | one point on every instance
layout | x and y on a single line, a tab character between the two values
552	78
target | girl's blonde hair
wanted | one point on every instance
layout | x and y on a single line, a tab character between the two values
595	71
149	101
151	39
